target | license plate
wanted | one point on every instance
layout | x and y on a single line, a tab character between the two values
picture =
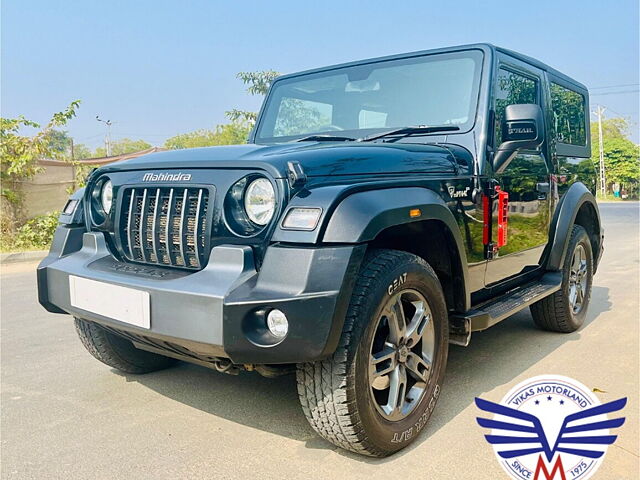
124	304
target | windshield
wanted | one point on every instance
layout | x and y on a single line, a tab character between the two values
433	90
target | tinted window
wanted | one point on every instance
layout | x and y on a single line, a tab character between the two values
511	89
568	115
432	90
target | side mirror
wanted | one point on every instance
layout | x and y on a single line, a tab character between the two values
523	129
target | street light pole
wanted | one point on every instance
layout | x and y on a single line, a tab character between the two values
107	139
603	183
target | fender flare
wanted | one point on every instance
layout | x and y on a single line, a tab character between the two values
564	219
360	217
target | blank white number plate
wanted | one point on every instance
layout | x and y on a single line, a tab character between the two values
127	305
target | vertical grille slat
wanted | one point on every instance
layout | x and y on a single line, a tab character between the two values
154	230
142	231
185	208
165	225
195	230
168	234
130	223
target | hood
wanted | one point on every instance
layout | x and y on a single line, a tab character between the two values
316	158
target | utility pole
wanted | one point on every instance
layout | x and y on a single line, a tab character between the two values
107	138
603	183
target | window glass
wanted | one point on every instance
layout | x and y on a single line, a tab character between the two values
298	117
511	89
357	100
370	119
568	115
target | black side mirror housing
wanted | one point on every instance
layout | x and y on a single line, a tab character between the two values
523	129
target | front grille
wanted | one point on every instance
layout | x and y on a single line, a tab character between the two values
164	226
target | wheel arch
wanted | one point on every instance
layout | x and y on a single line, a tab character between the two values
577	207
382	219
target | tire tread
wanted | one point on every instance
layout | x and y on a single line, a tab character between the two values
323	386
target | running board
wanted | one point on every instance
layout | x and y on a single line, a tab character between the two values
488	314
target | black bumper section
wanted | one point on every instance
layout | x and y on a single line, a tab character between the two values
221	310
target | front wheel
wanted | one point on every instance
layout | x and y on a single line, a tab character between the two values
117	351
377	391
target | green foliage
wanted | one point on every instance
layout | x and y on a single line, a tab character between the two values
59	144
81	151
230	134
36	234
121	147
19	153
621	155
258	84
568	115
298	117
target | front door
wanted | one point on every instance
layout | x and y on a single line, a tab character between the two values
526	180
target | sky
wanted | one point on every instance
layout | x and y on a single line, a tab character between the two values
158	68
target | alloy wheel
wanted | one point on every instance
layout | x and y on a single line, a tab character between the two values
402	354
578	279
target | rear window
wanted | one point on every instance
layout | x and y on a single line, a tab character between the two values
568	115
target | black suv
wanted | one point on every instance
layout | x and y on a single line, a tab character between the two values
381	210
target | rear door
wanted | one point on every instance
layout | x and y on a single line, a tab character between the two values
526	181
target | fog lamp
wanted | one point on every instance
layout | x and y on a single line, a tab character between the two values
277	323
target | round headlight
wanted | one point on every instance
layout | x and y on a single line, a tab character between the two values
106	196
260	201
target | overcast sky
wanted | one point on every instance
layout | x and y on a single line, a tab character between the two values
158	68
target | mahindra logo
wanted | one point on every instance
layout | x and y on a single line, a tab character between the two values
166	177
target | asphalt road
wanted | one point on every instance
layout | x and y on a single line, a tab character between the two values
65	415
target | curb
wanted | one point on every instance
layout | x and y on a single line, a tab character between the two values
23	256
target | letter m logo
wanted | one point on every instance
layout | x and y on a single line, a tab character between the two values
542	468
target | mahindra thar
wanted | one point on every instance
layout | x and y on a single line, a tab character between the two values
381	210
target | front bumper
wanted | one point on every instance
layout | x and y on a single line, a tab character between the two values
217	312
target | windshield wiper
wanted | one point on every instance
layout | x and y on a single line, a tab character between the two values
325	138
407	131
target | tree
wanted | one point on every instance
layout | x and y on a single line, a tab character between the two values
19	154
120	147
621	155
81	151
258	84
233	133
59	144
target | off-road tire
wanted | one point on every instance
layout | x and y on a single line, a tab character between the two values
117	351
334	393
555	312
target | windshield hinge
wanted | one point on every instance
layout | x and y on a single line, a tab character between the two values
297	177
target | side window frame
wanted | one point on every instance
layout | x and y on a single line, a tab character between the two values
566	149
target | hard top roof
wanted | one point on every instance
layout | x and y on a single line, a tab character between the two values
487	47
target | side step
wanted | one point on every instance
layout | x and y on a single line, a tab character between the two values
488	314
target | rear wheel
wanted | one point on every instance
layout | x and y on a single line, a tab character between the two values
118	352
377	391
566	309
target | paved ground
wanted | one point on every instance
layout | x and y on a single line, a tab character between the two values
65	415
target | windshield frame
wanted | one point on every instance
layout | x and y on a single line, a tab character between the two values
478	87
